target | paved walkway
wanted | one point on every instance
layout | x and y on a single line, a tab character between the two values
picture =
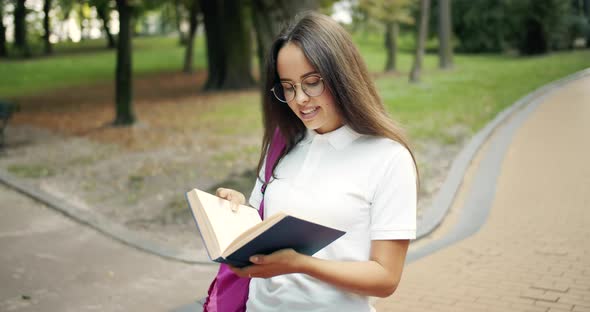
50	263
533	252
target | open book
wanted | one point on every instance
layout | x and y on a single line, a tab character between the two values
233	237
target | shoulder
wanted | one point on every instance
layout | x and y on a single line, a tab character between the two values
384	148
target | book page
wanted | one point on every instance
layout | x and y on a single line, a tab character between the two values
226	224
251	233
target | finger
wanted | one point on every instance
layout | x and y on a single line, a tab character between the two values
221	192
235	202
258	259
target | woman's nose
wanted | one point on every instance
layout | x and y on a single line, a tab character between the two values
300	96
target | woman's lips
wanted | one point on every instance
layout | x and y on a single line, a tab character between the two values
309	113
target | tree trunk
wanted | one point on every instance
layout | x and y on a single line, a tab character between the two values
587	14
20	28
268	17
445	48
228	46
2	32
190	40
103	14
391	32
420	41
124	87
181	37
47	27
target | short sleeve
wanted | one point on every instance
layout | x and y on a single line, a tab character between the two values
393	208
256	195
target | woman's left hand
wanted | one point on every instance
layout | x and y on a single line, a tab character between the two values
281	262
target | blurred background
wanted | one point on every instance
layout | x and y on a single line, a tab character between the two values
120	107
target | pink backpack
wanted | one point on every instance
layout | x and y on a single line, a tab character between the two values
228	292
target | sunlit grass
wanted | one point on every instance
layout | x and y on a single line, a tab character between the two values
473	93
71	67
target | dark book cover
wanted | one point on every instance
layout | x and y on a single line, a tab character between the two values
303	236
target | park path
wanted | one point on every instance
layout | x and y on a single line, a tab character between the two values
533	251
50	263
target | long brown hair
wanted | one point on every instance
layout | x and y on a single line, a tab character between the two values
330	50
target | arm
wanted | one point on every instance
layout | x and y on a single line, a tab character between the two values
377	277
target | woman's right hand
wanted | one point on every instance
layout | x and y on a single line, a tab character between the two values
235	197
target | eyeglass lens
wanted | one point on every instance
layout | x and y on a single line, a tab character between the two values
285	91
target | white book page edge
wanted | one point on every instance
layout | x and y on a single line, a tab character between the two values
225	223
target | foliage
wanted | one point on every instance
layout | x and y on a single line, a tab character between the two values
543	24
530	26
386	11
482	26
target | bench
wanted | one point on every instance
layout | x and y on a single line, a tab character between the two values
6	111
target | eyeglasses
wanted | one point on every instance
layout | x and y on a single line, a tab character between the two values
285	91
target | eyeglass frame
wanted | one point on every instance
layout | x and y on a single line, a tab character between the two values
295	89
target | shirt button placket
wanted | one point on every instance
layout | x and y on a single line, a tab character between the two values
312	160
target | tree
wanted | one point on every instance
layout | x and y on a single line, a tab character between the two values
269	17
178	17
228	45
422	33
103	10
2	31
544	25
20	28
190	40
445	47
484	25
47	26
123	85
390	13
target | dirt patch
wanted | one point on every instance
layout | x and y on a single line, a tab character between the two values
137	176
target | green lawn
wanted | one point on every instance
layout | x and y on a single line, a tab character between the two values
89	62
470	95
473	93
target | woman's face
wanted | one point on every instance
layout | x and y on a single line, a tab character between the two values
318	113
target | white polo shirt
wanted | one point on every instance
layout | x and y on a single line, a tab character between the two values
360	184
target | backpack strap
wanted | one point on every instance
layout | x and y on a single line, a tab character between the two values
277	146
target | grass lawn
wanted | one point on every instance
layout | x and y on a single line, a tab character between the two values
473	93
470	95
89	62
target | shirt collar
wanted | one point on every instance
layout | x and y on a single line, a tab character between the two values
338	138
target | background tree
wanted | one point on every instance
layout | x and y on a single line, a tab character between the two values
269	17
422	33
483	25
178	18
390	13
228	45
2	31
20	28
190	39
445	46
47	27
544	24
103	10
528	26
65	9
123	84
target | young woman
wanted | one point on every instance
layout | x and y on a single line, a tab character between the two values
346	165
